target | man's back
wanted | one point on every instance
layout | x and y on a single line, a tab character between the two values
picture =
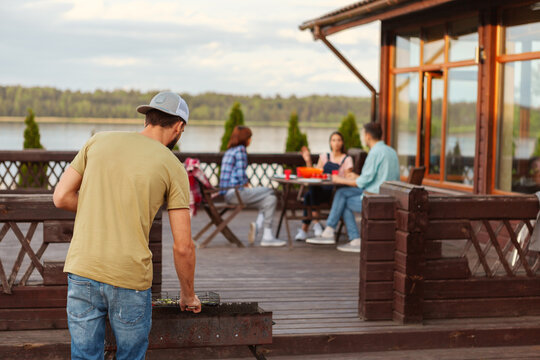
382	164
125	179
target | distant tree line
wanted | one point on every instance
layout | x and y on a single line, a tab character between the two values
46	101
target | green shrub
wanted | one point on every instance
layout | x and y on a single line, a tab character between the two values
236	117
32	174
295	138
349	130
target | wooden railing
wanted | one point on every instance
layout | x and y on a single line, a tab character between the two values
451	255
33	293
39	170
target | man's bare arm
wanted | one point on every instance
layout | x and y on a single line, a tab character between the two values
66	194
184	258
349	180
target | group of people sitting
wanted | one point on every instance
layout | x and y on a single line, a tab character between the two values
381	165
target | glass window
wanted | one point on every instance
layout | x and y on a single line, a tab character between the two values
434	45
522	29
405	119
463	35
408	49
461	124
519	128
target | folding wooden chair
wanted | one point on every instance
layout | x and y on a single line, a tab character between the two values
216	207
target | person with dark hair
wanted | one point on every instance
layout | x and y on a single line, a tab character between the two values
337	160
116	184
233	174
381	165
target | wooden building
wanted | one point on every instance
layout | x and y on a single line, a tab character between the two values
459	87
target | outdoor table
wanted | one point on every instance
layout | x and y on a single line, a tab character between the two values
287	185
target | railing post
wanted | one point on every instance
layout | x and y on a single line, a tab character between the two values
410	258
377	257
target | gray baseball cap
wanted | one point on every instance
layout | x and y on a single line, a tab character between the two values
168	102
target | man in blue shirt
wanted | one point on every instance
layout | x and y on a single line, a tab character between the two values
381	165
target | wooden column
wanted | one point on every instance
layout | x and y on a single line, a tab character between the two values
377	257
410	253
486	123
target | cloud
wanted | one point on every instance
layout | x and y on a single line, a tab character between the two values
117	61
193	46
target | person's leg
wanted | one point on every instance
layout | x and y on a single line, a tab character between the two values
339	203
308	201
86	311
130	315
265	200
354	205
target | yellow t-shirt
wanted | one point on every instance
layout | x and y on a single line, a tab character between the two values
126	177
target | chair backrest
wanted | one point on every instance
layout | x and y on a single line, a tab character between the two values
416	175
359	157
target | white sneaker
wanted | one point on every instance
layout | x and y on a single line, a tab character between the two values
300	235
273	242
352	246
327	237
252	233
317	229
321	240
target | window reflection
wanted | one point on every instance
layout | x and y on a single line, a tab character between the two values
521	30
461	124
408	49
434	45
463	37
519	128
404	119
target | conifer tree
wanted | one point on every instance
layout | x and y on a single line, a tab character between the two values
295	138
32	137
32	174
349	130
236	117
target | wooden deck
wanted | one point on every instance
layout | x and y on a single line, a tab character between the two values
313	294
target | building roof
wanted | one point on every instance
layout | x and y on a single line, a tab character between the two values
366	11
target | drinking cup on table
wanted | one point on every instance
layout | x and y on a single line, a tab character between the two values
335	172
287	173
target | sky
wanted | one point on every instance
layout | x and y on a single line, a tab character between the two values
240	47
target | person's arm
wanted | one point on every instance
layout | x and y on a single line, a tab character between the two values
348	165
369	170
240	167
307	156
184	258
66	194
349	179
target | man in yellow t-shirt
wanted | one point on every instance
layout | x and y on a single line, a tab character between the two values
116	184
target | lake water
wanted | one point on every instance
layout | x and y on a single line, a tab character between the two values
72	136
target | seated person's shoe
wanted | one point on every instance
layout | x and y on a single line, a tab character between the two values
273	242
300	235
317	229
352	246
326	237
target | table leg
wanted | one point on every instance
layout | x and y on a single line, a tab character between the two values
285	195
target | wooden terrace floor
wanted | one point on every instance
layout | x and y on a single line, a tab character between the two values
313	294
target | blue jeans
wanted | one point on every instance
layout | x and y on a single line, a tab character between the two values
346	201
130	315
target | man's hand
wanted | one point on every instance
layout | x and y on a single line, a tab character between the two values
190	304
349	180
352	176
184	258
